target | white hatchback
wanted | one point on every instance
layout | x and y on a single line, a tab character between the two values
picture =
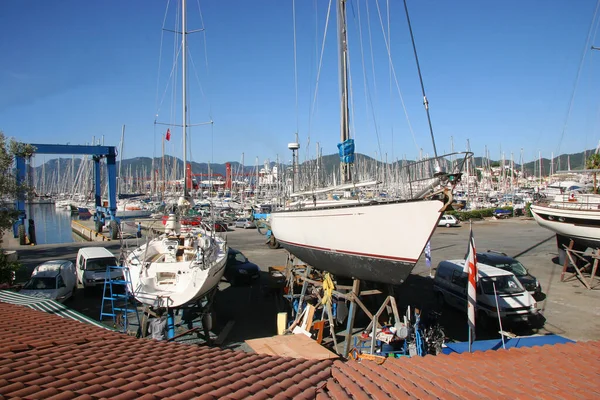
53	280
448	221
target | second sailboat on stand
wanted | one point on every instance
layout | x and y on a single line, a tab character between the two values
178	267
359	238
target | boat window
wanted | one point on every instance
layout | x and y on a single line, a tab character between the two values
40	284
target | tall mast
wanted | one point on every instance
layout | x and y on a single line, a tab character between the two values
184	92
346	174
119	183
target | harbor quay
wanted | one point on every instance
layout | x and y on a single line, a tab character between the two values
568	308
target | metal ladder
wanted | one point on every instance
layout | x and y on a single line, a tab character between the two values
123	307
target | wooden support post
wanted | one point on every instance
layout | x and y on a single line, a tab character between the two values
393	303
351	315
566	264
594	269
332	327
303	292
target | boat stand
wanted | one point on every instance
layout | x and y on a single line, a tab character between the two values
572	256
319	286
196	317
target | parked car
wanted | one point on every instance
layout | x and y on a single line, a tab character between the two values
501	213
239	270
244	223
54	280
502	261
448	221
221	226
91	266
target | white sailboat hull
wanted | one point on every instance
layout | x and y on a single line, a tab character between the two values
374	242
581	225
165	276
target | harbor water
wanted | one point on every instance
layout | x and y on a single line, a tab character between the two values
53	225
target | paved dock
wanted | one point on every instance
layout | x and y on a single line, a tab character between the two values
570	309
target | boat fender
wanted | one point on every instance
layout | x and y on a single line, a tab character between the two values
449	199
401	330
204	242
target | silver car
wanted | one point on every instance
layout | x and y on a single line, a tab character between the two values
244	223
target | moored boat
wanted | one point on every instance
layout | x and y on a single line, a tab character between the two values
180	266
355	237
574	216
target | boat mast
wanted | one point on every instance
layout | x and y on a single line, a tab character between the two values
184	93
345	172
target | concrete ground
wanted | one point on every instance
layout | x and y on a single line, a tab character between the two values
568	307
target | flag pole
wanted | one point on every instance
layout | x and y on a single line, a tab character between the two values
499	319
470	268
470	340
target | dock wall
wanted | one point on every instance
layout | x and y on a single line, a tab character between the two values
87	233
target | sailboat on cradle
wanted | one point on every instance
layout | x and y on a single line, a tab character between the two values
361	238
178	268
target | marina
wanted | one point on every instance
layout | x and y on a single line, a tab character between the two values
431	274
569	308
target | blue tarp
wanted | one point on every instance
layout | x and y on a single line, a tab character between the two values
346	151
495	344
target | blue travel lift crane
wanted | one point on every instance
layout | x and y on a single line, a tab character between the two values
102	213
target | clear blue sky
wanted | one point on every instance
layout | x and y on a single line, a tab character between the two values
500	74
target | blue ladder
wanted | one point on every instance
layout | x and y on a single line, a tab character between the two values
121	304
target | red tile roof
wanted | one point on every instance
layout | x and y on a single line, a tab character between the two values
45	356
561	371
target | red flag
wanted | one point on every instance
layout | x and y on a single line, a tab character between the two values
471	269
168	136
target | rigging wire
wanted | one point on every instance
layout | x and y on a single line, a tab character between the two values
162	35
425	102
205	55
314	101
576	83
389	34
586	48
365	78
410	128
371	51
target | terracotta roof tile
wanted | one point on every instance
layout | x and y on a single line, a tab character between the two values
533	372
43	355
68	395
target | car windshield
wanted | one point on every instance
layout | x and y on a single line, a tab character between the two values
100	264
505	284
40	284
515	267
240	258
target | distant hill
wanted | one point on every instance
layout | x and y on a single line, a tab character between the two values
141	167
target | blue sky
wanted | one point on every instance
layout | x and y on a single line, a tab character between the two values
499	74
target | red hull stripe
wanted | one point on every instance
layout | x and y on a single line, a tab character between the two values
354	253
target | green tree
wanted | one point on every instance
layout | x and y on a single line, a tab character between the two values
593	162
10	191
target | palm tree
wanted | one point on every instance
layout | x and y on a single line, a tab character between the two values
593	162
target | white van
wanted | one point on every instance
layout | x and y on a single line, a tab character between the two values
91	266
515	303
